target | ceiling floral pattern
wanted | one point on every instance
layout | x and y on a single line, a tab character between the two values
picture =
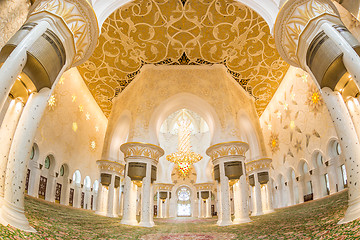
178	32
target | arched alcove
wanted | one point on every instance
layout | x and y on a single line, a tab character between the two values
199	141
77	177
117	134
183	101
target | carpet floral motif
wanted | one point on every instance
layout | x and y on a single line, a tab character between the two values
189	236
312	220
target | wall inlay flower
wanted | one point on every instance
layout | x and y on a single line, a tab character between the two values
314	100
274	142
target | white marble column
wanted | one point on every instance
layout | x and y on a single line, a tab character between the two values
34	179
111	195
16	61
203	208
77	195
349	143
99	199
122	203
50	188
167	204
354	111
117	201
7	131
65	192
199	205
241	199
219	204
208	206
331	170
257	194
350	58
270	206
225	197
146	219
12	212
129	210
301	188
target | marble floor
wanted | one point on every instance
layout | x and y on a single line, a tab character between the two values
312	220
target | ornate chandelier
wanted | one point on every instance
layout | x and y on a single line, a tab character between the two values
184	157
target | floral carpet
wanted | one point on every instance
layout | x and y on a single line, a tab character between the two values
311	220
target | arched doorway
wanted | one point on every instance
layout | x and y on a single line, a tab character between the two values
183	202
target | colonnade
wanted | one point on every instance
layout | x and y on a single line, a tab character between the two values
109	197
36	56
163	199
204	195
323	46
229	169
258	174
140	173
51	42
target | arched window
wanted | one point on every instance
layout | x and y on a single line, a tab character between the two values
184	194
62	170
183	203
47	162
305	168
319	159
32	155
337	148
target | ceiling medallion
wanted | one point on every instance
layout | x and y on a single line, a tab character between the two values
179	32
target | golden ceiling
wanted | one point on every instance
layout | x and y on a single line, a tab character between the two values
184	32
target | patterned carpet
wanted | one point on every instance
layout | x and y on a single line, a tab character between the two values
313	220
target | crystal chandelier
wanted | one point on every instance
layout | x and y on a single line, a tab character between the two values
184	157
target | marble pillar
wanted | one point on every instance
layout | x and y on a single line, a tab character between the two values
12	211
7	131
349	143
257	194
16	61
111	196
129	210
142	160
270	206
99	209
146	218
34	179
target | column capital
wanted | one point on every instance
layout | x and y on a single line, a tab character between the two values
110	166
258	165
79	17
165	187
138	149
292	21
234	148
204	186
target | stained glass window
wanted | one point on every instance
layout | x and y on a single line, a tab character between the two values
62	170
47	162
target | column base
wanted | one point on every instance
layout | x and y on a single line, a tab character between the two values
257	213
112	215
100	213
241	220
129	222
14	216
224	223
352	213
146	224
269	211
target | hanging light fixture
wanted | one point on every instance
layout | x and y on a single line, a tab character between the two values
184	157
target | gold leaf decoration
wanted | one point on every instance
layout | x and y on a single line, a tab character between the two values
175	32
274	142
